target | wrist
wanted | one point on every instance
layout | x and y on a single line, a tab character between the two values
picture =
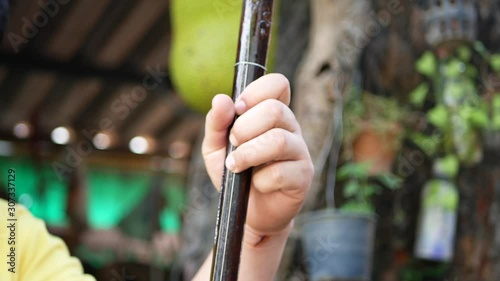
255	238
262	251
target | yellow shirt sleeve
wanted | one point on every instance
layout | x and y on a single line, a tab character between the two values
29	253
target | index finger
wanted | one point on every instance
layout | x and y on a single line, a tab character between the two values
270	86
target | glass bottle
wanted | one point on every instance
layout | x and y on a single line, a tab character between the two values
438	213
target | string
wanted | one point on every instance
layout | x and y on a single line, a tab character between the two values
251	63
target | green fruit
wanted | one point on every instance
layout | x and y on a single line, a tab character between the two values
204	46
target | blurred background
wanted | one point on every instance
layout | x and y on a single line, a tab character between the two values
102	106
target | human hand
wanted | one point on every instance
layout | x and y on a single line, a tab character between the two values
269	142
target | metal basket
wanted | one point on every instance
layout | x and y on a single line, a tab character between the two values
450	21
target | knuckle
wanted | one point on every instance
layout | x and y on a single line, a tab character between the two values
276	109
278	138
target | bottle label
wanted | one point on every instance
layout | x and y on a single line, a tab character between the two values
436	235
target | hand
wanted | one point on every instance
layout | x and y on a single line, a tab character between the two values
269	142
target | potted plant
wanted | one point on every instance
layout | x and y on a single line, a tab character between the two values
464	120
338	243
372	130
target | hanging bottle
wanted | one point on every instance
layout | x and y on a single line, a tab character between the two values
438	213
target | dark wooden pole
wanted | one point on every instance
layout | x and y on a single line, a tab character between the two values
255	31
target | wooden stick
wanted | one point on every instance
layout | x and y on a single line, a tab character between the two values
255	31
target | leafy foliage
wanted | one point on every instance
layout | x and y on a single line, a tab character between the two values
363	110
359	187
459	113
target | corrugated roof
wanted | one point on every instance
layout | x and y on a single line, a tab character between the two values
79	62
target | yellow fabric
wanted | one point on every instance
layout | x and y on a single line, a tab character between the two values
39	256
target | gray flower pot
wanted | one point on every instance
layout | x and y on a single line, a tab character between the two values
338	246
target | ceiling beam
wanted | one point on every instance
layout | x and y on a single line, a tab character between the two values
68	108
154	118
119	75
3	73
68	37
185	130
23	10
130	32
36	87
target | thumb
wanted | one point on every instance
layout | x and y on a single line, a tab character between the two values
217	122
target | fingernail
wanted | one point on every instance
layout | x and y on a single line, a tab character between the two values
232	140
230	162
240	106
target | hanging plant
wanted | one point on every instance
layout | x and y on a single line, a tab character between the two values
459	113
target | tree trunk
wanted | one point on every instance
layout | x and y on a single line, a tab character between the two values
335	43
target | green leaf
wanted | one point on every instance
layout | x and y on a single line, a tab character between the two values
428	144
495	123
438	116
454	90
448	165
454	68
351	188
478	118
480	48
354	170
471	71
390	181
357	208
495	62
418	95
496	102
371	189
464	53
426	64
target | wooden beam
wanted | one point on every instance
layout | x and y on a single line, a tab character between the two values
73	103
130	32
13	80
36	87
68	38
158	54
186	130
157	38
3	74
80	70
23	10
160	113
